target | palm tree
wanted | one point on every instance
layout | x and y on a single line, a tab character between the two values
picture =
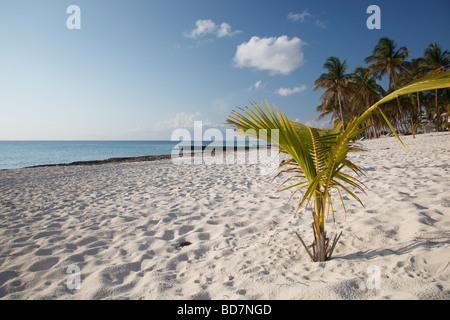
447	106
336	83
330	108
366	91
447	100
414	70
386	60
318	157
436	61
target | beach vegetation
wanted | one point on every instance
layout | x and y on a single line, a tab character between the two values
436	60
345	94
317	161
335	81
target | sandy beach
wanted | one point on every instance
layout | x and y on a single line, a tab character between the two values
159	230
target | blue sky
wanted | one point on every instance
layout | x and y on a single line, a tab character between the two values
139	69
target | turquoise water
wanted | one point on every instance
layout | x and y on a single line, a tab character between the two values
19	154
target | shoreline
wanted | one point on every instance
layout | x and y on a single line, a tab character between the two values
135	159
100	162
146	158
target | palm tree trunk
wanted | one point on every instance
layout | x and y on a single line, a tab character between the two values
418	107
399	113
322	246
438	117
319	208
318	226
373	127
319	245
342	114
398	104
371	120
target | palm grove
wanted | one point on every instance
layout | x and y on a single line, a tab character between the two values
348	95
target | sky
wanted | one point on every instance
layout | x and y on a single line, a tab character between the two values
140	69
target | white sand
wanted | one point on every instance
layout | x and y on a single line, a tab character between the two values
120	225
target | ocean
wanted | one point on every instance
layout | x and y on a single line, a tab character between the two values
20	154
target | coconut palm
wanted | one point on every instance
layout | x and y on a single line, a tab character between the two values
414	70
330	108
436	60
318	157
447	101
366	92
387	60
335	81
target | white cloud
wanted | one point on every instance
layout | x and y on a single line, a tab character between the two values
184	120
257	85
298	16
225	31
202	27
302	18
288	91
320	124
321	24
181	120
277	55
208	27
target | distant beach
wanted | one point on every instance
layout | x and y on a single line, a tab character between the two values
161	230
21	154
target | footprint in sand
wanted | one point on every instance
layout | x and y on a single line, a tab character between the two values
46	234
76	258
168	235
43	264
203	295
185	229
43	252
7	275
86	241
204	236
116	275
